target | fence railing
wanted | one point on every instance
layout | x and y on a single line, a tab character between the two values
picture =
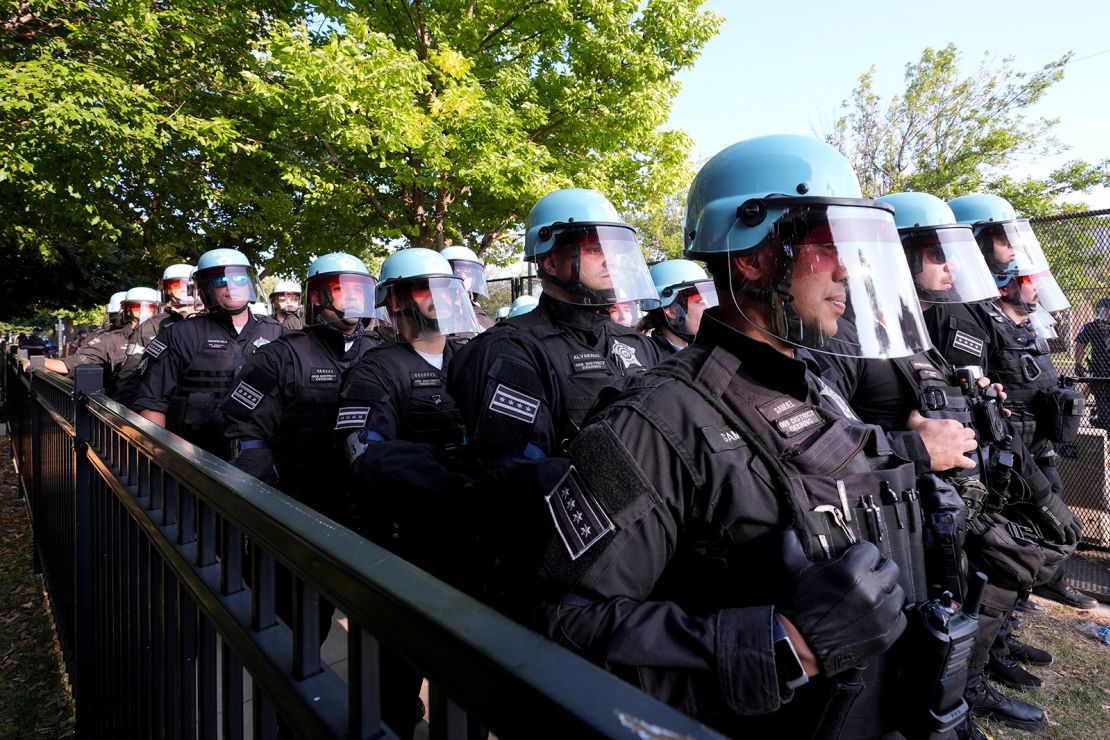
165	633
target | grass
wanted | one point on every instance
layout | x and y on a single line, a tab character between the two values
34	698
1076	690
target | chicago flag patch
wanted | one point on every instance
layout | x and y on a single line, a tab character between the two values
514	403
578	516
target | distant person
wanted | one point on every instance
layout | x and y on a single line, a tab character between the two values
1096	335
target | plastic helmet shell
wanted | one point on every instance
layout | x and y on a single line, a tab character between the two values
222	258
502	313
979	209
523	305
671	276
149	295
919	210
786	165
115	302
178	272
562	208
460	253
337	262
285	286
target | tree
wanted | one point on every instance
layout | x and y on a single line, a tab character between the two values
950	134
444	122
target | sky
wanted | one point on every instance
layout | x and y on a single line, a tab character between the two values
779	67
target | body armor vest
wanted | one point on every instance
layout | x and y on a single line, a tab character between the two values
426	413
1020	361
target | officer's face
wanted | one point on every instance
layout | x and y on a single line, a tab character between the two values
288	302
819	286
935	274
593	269
178	288
695	307
232	291
1003	249
623	313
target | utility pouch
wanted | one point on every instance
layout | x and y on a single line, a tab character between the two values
1058	412
1012	562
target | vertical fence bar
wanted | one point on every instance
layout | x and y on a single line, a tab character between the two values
87	379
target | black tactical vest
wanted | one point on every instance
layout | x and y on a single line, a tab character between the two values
1020	361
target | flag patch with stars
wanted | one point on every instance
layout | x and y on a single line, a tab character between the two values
247	395
155	348
967	343
579	518
514	403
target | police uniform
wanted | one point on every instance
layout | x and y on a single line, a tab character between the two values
1096	335
281	412
669	576
189	368
144	334
109	351
662	345
292	321
524	386
484	320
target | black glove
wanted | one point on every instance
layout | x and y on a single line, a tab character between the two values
848	609
400	468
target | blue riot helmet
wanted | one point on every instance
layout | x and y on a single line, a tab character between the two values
177	287
502	313
685	291
1002	236
794	248
423	296
339	291
583	248
225	281
139	304
944	258
522	305
468	268
114	308
285	296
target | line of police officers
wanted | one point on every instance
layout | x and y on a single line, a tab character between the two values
767	509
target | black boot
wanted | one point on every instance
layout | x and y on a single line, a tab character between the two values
1027	654
986	701
1059	591
1009	673
968	731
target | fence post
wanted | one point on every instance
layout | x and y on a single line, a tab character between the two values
34	490
87	379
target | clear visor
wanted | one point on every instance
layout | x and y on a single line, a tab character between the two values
947	266
1041	290
1043	323
472	275
227	288
178	291
609	266
703	291
350	296
140	310
625	313
1012	241
824	263
286	301
428	306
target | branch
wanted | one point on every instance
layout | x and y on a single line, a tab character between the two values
508	22
362	186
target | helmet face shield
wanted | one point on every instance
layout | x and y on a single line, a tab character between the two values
625	313
139	310
684	314
429	306
600	265
473	276
227	288
827	262
1036	291
178	291
1011	242
947	266
349	295
1043	324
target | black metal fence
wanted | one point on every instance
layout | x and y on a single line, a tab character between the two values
139	537
1078	248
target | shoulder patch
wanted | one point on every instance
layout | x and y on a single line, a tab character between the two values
967	343
260	341
156	348
578	516
514	403
352	417
247	395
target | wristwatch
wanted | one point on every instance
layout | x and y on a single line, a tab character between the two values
787	664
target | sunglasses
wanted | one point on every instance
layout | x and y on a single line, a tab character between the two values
222	281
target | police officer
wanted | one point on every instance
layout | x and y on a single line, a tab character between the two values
685	291
189	367
472	272
285	302
1096	335
34	343
403	436
901	394
524	386
730	500
282	409
113	311
178	302
109	349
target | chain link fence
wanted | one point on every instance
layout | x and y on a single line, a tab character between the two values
1078	248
